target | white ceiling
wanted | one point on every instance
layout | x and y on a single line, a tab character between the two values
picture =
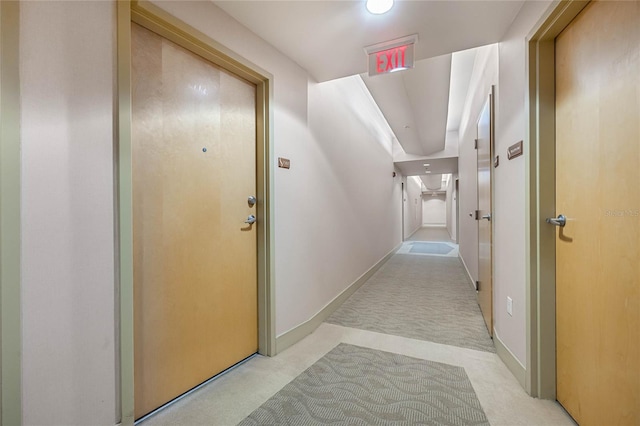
415	103
327	38
436	166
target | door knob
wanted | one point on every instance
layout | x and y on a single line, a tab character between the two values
251	219
487	216
560	221
251	200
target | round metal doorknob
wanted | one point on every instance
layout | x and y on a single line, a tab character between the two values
252	201
487	216
251	219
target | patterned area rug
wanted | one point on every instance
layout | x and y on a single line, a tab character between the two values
420	297
352	385
430	248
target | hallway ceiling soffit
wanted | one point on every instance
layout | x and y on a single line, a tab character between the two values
416	106
327	37
432	182
437	166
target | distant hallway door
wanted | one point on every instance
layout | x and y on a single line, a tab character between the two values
597	191
483	215
195	258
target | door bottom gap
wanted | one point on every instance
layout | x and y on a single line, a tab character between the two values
192	390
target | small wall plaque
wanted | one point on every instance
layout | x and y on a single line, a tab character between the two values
514	150
284	163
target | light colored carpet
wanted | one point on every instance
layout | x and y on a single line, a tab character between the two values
431	233
352	385
420	297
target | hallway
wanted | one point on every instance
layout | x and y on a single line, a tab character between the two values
408	277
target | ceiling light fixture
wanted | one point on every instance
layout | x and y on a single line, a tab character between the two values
378	7
426	164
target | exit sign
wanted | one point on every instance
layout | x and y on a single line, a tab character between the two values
390	56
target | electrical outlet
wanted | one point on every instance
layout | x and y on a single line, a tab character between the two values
509	306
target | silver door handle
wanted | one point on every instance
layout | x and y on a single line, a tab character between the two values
560	221
251	219
487	216
251	201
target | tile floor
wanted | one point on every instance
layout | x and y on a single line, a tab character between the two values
234	395
231	397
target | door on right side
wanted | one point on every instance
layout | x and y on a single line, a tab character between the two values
483	215
598	191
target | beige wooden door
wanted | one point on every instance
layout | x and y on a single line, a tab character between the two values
485	272
195	279
598	190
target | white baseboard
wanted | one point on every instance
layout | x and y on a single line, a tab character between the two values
510	360
413	232
298	333
471	280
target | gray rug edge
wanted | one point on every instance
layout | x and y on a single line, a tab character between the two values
385	353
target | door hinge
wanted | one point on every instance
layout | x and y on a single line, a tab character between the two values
477	285
475	144
477	215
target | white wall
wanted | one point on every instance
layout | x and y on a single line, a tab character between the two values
504	65
68	292
434	210
337	210
455	214
485	74
509	183
345	217
412	205
450	205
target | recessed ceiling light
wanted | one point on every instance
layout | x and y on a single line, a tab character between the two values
378	7
427	171
426	164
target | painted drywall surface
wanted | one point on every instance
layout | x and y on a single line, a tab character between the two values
485	74
504	66
509	183
347	215
434	210
412	206
335	214
452	200
68	290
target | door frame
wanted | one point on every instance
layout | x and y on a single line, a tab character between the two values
403	201
10	209
171	28
456	187
540	380
490	102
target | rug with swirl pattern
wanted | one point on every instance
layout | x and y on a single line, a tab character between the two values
353	385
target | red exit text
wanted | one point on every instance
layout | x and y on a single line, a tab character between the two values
391	59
